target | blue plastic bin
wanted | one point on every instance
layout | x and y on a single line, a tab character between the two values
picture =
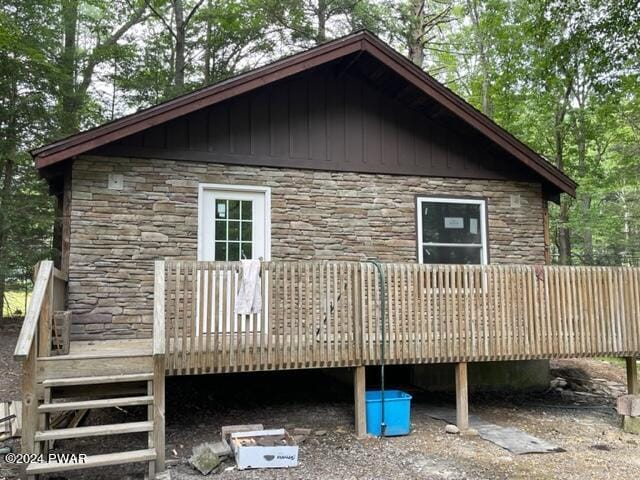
397	410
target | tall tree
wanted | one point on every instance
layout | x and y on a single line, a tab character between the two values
423	22
176	16
311	22
236	36
26	89
105	23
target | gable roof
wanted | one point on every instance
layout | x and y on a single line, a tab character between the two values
361	41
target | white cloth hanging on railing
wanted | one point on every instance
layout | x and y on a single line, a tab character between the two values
248	297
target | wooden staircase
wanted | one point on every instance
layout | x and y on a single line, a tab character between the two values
101	374
84	388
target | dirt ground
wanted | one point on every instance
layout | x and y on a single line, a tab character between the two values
580	418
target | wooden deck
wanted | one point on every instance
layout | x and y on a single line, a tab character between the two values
316	315
328	314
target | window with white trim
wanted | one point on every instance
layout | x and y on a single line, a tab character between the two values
451	230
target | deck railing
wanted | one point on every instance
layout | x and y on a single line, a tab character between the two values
48	296
327	314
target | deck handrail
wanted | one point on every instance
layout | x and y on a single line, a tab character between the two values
158	310
327	314
34	309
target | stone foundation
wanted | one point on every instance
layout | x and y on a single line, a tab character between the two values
521	375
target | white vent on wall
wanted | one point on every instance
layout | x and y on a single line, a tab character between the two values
515	201
116	181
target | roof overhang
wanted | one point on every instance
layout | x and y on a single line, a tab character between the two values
362	41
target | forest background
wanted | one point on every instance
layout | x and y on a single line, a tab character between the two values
561	75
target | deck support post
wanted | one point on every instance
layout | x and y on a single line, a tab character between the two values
159	370
632	376
29	403
462	397
359	383
158	411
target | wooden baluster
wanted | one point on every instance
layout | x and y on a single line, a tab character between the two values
626	294
208	364
176	320
591	312
403	317
420	298
300	361
272	309
483	282
430	316
309	317
397	316
335	318
438	297
170	314
610	301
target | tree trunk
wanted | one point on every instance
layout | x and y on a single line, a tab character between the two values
69	116
180	27
416	32
585	197
587	236
7	182
321	35
8	167
207	48
564	233
481	47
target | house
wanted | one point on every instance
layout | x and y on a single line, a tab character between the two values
315	164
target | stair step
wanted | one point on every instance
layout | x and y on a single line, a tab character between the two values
94	431
87	404
102	460
66	382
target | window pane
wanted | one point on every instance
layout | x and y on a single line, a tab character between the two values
234	230
246	232
451	222
234	209
221	230
247	210
221	209
246	250
221	252
233	250
458	255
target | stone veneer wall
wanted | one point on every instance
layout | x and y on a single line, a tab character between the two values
117	234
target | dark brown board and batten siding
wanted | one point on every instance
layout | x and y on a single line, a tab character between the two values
320	120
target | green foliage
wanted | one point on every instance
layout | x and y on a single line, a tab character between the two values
560	75
27	89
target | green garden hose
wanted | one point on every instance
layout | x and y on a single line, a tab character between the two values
383	301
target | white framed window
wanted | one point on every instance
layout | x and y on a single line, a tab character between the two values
452	230
234	222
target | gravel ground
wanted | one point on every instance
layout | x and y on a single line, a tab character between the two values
579	418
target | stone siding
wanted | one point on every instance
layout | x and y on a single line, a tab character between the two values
117	234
